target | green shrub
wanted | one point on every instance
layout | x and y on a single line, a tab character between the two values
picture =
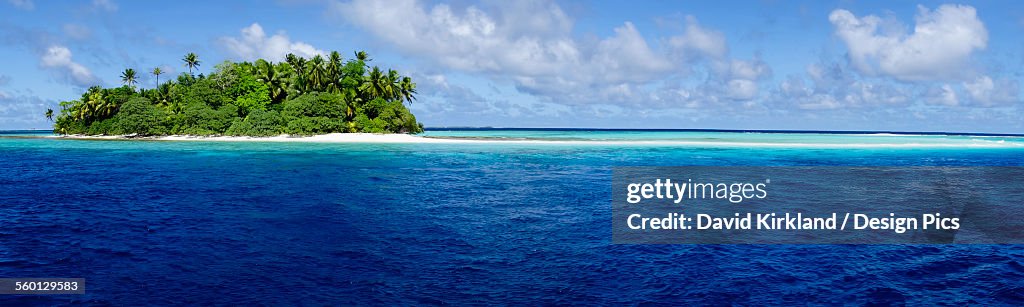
200	119
316	105
65	125
314	125
139	117
381	116
258	123
101	127
374	108
202	91
367	125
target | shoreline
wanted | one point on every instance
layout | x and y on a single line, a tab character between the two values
394	138
371	138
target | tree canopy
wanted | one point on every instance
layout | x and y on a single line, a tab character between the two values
298	96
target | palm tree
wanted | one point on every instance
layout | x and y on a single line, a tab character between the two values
93	104
354	102
49	114
372	85
158	96
298	63
166	100
266	73
163	94
298	79
407	89
317	77
107	108
392	91
362	56
192	61
334	72
157	72
128	77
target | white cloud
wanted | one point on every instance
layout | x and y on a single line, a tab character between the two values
741	77
794	91
533	18
834	86
988	92
27	5
21	112
741	89
471	40
728	81
699	41
531	44
933	60
59	59
939	47
255	44
106	5
626	54
942	95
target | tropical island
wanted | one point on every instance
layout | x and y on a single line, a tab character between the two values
296	97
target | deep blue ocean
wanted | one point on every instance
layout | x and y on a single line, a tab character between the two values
240	223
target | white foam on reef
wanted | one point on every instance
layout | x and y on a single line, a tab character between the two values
414	139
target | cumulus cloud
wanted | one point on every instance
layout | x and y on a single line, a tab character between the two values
59	59
106	5
21	112
470	40
699	41
939	47
740	78
943	94
436	86
933	59
728	81
834	86
628	53
27	5
531	44
255	44
988	92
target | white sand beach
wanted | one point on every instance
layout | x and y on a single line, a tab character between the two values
324	138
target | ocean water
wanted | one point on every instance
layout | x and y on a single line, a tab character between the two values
159	222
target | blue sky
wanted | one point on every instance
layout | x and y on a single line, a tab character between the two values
826	65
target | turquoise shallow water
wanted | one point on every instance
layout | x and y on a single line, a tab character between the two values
158	222
744	139
691	139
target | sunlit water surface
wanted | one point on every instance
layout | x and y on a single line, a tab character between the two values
158	222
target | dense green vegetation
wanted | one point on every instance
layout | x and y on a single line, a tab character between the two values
297	96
